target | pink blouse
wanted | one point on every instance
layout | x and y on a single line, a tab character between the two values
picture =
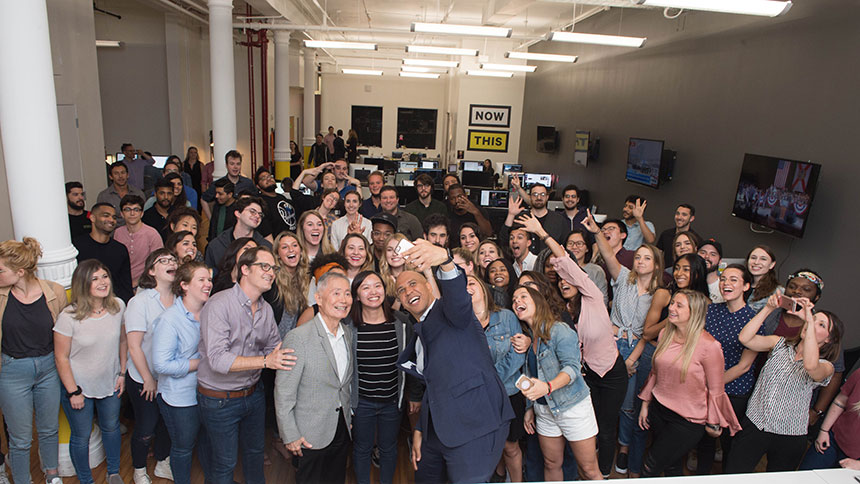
701	398
594	328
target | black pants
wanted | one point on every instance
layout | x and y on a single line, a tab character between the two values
708	445
607	396
148	426
326	465
784	452
673	437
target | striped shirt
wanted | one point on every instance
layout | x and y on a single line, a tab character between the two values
780	402
629	308
376	356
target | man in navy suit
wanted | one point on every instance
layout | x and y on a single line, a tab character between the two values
465	411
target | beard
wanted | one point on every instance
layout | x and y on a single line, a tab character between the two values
75	205
268	189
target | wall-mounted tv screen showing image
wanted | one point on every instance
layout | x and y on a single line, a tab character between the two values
776	193
547	139
643	161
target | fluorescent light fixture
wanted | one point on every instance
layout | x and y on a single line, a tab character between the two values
541	57
420	75
599	39
764	8
430	63
108	43
489	73
461	29
362	72
508	67
429	49
414	69
334	44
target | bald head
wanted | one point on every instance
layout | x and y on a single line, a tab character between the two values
414	292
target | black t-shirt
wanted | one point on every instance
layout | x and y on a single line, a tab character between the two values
112	254
80	224
280	216
154	219
28	329
457	220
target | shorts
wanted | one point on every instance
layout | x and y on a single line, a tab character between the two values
517	430
576	423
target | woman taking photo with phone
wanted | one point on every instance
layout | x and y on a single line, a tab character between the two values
684	397
778	411
560	404
90	352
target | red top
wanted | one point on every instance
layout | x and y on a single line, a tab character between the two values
701	398
846	429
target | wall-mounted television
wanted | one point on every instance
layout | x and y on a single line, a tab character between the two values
647	162
547	139
776	193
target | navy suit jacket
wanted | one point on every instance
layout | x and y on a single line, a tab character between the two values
464	394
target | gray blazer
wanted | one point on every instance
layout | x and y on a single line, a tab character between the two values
308	396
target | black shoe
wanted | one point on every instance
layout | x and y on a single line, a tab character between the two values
498	478
621	463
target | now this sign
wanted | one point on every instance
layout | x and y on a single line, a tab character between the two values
485	115
496	141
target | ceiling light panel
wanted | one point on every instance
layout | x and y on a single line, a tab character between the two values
333	44
508	67
421	75
461	29
597	39
362	72
430	63
481	73
764	8
536	56
429	49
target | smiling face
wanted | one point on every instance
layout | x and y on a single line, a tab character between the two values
351	202
469	239
473	287
200	285
679	309
258	277
683	245
519	242
388	200
414	292
487	253
576	244
313	230
711	256
570	199
186	223
186	248
119	175
523	305
335	299
371	292
164	269
251	216
330	201
683	218
289	252
375	183
627	210
177	187
801	287
104	219
234	166
681	273
643	261
759	262
100	284
222	196
355	252
613	235
732	285
394	260
568	290
498	274
549	272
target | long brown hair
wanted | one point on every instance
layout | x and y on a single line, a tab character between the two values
368	250
325	243
292	286
769	282
656	281
489	303
544	317
698	310
829	350
81	301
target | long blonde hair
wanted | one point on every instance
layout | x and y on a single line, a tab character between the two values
385	269
656	281
292	286
82	302
696	324
325	243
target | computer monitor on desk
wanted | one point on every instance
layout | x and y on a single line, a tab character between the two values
471	166
477	179
407	166
428	165
361	171
436	175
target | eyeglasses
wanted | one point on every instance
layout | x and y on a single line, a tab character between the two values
539	195
265	177
132	209
254	212
576	243
266	267
165	260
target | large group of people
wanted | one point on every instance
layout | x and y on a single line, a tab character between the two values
548	348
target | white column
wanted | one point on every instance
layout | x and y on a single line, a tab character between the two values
222	74
310	106
282	103
28	122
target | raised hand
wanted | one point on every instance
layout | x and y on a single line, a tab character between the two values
515	206
639	208
589	223
530	223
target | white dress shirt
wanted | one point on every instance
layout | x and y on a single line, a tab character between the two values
338	346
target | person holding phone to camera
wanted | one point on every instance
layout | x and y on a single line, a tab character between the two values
776	417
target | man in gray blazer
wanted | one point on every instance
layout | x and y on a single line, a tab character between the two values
312	400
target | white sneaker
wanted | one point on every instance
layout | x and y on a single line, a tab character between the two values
54	480
4	479
162	469
141	477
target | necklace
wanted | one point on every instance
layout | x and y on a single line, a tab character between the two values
98	312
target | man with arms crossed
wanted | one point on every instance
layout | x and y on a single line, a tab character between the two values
465	412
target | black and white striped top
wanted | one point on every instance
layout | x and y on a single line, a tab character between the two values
780	402
376	356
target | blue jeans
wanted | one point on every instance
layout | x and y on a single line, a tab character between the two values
375	422
81	425
629	432
28	386
234	423
829	459
183	425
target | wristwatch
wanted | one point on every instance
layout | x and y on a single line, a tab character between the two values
74	393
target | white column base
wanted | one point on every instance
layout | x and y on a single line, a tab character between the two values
58	265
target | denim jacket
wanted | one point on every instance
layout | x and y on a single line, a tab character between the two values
503	324
561	353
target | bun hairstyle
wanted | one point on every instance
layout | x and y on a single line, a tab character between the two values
21	255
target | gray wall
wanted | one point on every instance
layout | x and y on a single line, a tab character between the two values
716	87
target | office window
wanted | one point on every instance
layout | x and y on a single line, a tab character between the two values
367	123
416	128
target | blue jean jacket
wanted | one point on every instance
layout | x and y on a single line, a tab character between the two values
503	324
561	353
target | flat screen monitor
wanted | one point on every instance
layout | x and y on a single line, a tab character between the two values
389	166
397	155
436	175
372	161
471	166
429	165
547	139
477	179
544	179
644	157
494	198
776	192
511	168
407	166
452	168
361	171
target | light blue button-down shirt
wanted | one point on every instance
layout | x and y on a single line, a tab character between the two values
140	315
175	339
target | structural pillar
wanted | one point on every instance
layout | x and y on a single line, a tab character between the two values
309	111
282	104
28	122
222	75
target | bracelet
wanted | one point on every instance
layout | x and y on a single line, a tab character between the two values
713	427
818	412
549	386
543	239
825	431
264	361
